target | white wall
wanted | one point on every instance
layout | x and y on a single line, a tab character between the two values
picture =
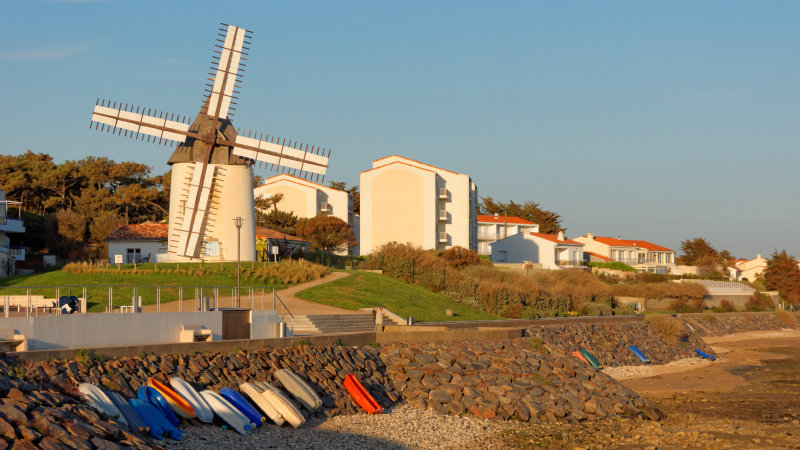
151	248
264	324
110	330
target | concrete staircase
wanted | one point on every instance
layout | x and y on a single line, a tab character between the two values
389	318
331	323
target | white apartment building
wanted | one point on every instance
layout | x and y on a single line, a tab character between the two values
496	227
642	255
404	200
548	251
8	254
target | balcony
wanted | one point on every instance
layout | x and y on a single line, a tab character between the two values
489	236
442	236
442	215
442	194
324	207
11	225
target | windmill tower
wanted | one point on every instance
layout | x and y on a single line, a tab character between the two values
212	178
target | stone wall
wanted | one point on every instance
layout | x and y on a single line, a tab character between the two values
609	342
514	379
722	324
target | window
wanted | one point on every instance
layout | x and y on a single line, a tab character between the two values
502	255
613	254
211	248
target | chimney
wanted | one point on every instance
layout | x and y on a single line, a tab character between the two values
560	235
758	256
590	236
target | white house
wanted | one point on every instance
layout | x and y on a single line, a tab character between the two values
748	269
271	243
551	251
140	242
492	228
642	255
404	200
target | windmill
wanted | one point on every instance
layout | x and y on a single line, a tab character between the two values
212	180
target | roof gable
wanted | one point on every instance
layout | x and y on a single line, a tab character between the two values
554	238
503	219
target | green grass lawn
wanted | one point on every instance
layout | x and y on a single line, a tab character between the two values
365	290
221	275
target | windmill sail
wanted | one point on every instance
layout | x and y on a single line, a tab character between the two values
118	117
283	154
227	73
196	208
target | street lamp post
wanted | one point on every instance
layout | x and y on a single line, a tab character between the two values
238	222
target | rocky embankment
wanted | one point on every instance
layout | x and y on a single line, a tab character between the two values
532	379
724	324
609	342
508	380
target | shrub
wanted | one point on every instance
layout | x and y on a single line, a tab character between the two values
726	305
594	309
613	265
460	257
759	302
787	318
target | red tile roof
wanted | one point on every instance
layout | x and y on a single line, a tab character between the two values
501	219
147	231
597	255
554	238
615	242
266	233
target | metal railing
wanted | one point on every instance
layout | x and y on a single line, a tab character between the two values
275	296
201	298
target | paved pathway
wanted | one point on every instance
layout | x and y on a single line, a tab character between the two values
294	304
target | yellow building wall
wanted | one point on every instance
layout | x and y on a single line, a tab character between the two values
295	199
397	204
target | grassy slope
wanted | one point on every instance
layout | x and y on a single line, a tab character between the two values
224	275
365	290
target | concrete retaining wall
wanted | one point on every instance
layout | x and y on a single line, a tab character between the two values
87	330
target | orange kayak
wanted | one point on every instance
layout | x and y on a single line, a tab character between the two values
176	402
578	355
360	395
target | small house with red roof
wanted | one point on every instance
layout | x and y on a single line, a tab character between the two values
548	251
494	227
274	245
640	254
143	242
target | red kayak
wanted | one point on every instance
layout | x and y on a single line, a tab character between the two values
578	355
360	395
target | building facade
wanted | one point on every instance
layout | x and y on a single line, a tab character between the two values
144	242
307	199
748	269
496	227
9	254
548	251
406	201
644	256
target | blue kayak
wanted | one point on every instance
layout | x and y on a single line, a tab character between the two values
154	415
152	396
135	422
639	354
703	354
242	405
152	421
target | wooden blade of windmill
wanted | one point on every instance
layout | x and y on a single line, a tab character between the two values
139	123
304	160
196	210
227	71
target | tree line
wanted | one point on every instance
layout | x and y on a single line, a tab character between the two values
71	207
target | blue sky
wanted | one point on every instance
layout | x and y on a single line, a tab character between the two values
650	120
